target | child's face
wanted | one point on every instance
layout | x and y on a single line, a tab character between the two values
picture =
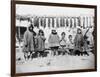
40	33
30	29
79	31
70	38
53	31
63	35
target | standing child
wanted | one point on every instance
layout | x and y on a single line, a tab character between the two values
40	43
70	44
54	42
63	42
28	47
78	41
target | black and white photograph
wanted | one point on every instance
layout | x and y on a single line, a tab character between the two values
54	38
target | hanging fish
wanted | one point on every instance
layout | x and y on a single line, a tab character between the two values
57	21
48	22
52	22
70	22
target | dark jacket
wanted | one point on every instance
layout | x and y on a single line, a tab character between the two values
28	41
40	43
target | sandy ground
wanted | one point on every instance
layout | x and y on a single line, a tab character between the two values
55	63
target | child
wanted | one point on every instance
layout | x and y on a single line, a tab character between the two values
40	43
70	44
54	41
78	41
28	47
63	42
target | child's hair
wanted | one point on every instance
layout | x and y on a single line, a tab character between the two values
53	31
41	31
69	36
31	27
79	30
63	33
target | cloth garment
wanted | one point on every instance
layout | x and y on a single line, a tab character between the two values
28	41
40	43
53	40
78	41
63	42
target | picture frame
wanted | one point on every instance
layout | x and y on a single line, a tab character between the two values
50	5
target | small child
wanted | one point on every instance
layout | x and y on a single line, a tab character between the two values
70	44
63	42
40	43
78	41
54	42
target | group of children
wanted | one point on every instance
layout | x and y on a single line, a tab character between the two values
35	43
62	45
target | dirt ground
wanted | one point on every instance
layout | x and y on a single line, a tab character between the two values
53	63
